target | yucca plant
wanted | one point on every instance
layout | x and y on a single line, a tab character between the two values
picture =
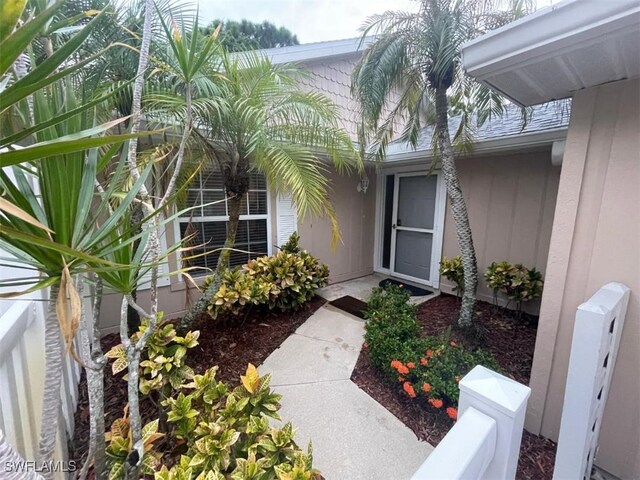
53	220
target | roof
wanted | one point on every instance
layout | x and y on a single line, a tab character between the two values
559	50
547	124
315	51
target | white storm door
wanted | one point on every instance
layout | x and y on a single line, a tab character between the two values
414	226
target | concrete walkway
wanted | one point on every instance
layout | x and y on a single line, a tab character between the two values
354	437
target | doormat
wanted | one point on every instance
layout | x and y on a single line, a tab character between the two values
414	291
350	305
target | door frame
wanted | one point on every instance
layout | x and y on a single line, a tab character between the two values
437	231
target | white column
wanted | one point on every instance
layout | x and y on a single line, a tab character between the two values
505	401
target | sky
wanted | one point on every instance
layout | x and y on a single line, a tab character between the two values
310	20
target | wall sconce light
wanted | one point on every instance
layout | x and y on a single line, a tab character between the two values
363	184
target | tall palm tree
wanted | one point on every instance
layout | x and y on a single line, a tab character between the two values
266	122
418	57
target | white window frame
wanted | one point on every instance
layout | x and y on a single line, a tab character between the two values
225	218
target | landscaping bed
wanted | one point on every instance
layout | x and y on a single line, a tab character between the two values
511	342
230	344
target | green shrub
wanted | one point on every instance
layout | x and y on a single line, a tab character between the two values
436	369
226	434
519	283
294	278
120	444
451	269
392	327
238	290
284	281
162	366
292	245
425	366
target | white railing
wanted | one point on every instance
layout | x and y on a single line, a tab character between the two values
22	374
596	338
485	441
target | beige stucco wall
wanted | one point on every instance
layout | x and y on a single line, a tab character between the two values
353	256
595	240
511	199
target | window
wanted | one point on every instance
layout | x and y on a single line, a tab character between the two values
208	223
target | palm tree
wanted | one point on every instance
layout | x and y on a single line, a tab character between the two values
265	122
418	57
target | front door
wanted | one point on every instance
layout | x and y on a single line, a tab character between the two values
414	226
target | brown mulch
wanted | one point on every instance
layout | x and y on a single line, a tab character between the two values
230	345
510	341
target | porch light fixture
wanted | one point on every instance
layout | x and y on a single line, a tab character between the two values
363	184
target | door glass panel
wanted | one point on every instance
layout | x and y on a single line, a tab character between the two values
417	201
390	183
413	253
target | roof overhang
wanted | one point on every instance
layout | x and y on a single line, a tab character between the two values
515	143
316	51
551	54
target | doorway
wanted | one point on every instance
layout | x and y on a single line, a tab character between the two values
412	223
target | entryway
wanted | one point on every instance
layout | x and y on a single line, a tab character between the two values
411	226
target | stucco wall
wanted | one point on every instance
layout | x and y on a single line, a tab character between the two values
353	256
511	199
595	240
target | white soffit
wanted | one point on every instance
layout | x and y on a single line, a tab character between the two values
315	51
559	50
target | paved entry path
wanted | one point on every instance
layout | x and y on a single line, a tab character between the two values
354	437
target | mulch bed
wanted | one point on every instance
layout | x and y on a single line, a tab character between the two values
229	344
512	344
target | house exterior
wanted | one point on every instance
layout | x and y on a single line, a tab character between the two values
510	182
561	195
588	51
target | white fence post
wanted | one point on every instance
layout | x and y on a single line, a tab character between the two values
596	338
505	401
485	442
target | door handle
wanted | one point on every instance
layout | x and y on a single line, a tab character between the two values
399	222
393	226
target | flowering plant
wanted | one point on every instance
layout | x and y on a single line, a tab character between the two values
428	368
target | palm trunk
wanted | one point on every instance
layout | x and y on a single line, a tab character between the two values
53	379
133	351
235	205
458	210
94	362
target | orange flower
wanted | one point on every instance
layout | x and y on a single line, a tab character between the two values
429	353
407	387
452	412
453	344
411	365
402	369
423	362
426	388
395	364
435	402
